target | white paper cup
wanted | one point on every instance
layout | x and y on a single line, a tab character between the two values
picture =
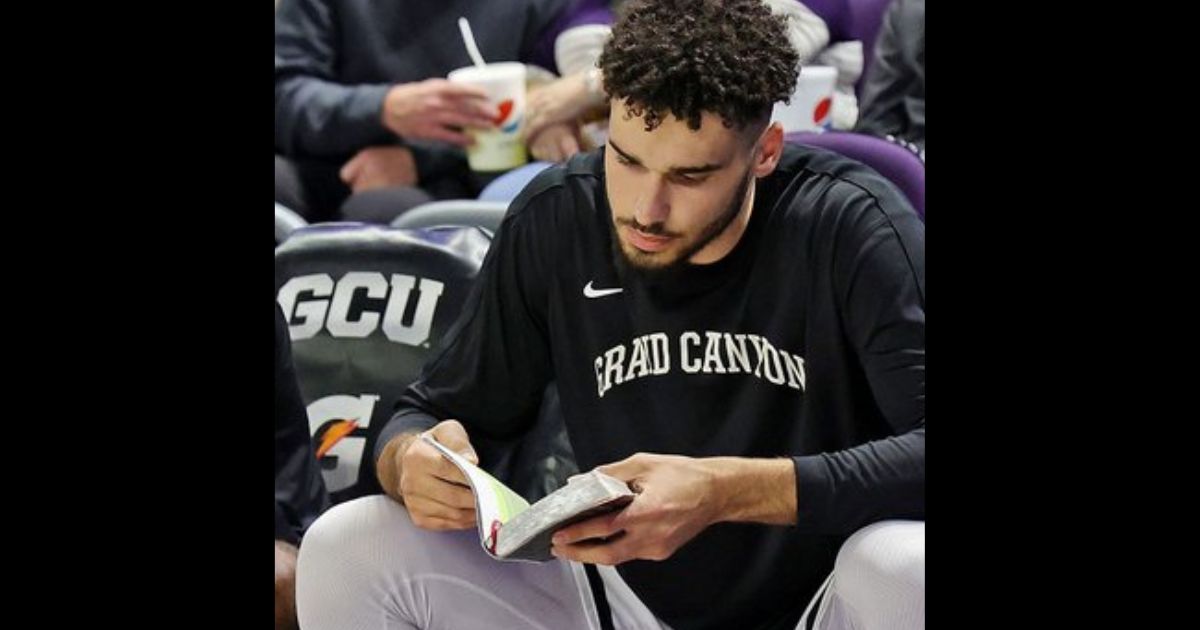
811	107
501	148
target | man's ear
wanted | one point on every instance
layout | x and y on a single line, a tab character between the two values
770	149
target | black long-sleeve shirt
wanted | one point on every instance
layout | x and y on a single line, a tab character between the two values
807	340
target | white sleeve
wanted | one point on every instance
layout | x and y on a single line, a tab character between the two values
806	30
578	48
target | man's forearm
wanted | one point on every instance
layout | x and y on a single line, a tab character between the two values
754	490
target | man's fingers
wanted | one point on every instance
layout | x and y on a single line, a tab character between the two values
350	170
568	146
437	524
428	507
596	527
443	492
455	118
620	549
445	87
453	435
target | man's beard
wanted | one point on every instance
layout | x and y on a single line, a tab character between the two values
652	274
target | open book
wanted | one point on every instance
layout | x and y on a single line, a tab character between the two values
511	529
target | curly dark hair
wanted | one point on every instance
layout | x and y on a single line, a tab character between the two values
729	57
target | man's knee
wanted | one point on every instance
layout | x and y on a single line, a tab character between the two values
880	572
891	552
348	528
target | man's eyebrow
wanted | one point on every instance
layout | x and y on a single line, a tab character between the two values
623	153
678	170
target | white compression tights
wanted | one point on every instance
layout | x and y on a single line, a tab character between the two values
364	566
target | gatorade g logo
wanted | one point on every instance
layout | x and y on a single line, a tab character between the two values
339	427
316	302
506	110
821	116
334	434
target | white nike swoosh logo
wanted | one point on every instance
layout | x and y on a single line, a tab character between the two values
589	292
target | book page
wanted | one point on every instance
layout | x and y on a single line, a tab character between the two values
495	503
